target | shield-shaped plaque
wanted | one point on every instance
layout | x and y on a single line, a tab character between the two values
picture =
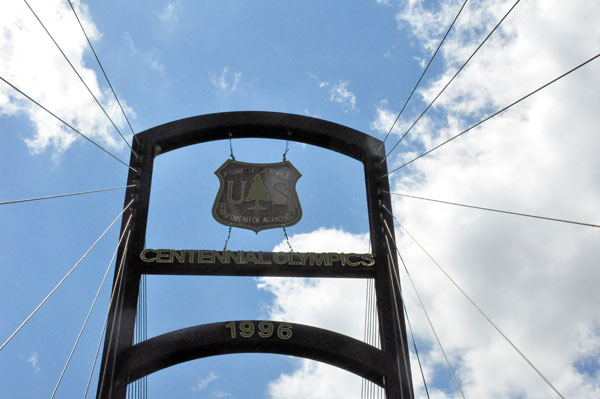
257	196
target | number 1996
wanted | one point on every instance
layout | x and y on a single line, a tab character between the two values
265	329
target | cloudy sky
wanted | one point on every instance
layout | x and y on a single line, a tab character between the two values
353	63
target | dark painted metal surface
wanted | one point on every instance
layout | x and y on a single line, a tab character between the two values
149	144
274	264
216	339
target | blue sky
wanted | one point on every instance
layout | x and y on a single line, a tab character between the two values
352	63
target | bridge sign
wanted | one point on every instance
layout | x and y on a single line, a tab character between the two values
257	196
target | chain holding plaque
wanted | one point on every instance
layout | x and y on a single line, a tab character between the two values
257	196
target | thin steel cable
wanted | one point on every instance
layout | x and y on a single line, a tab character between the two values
80	78
87	317
116	288
135	385
136	339
369	337
495	210
64	195
287	146
367	321
142	299
372	331
365	338
494	114
231	147
480	310
392	271
227	240
120	301
139	336
416	350
65	123
112	295
424	309
145	334
287	239
102	69
380	392
452	79
87	388
369	302
64	278
424	71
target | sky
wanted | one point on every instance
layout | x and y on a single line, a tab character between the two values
352	63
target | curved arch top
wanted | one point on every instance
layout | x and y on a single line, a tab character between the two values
216	339
258	124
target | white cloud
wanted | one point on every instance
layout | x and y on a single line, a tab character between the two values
204	382
334	304
315	380
168	13
227	83
52	82
150	57
33	360
535	279
319	81
339	93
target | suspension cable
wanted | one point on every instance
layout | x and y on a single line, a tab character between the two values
392	271
231	146
116	288
452	78
416	350
479	309
65	195
64	123
365	337
91	309
227	239
102	69
371	333
144	334
87	388
287	238
64	278
423	73
389	234
494	114
495	210
80	78
287	146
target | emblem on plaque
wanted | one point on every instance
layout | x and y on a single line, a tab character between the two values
257	196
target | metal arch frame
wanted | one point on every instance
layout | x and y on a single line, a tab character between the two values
116	367
213	339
